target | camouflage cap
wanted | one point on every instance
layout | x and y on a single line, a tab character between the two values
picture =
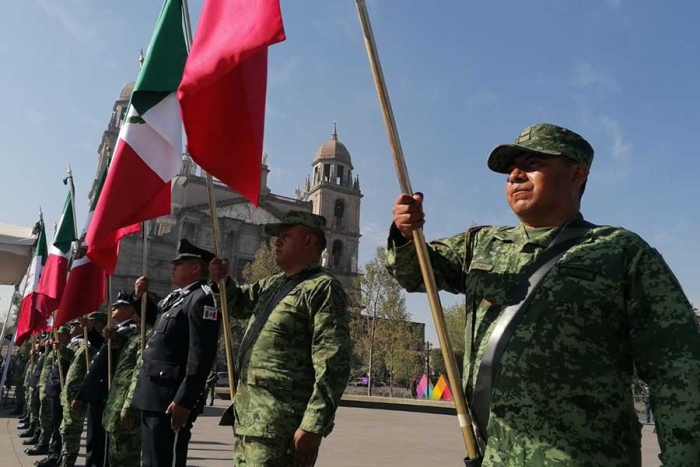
74	322
543	139
98	316
64	329
290	218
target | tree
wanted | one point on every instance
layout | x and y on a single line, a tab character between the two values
262	266
381	333
455	320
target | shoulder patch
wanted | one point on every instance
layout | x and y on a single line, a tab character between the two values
207	289
210	313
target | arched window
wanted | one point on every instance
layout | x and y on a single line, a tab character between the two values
337	252
339	211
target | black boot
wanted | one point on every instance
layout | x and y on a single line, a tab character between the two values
69	460
22	426
50	461
34	439
28	433
18	411
38	450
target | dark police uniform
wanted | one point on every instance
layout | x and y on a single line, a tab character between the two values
95	390
176	362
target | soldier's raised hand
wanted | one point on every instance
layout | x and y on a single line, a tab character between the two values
140	286
408	214
218	269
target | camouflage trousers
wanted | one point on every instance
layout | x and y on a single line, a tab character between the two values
20	392
34	405
252	451
72	428
45	416
125	446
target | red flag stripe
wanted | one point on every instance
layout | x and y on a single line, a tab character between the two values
223	89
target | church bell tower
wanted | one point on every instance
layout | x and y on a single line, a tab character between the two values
335	195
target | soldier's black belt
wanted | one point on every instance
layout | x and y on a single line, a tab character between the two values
511	317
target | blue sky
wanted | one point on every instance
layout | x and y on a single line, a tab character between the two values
463	77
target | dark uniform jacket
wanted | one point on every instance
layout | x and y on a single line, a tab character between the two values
95	338
181	351
53	385
95	387
36	372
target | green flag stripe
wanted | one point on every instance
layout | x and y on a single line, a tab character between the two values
65	234
41	249
165	59
98	189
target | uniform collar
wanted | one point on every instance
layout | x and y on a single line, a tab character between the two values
519	236
308	267
75	339
125	324
188	289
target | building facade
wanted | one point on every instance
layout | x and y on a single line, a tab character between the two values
330	191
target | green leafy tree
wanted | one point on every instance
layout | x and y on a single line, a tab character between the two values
381	333
455	320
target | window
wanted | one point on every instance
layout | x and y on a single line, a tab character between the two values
339	211
340	171
337	252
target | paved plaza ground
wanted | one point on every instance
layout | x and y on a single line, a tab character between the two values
366	437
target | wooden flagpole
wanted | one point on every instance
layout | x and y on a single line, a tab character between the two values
110	323
226	322
465	421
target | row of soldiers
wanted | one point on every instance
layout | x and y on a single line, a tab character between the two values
59	397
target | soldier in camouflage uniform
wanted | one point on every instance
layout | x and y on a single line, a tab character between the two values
293	370
45	407
561	393
63	358
24	421
18	377
125	435
34	431
73	421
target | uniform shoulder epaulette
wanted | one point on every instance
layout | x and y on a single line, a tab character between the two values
207	289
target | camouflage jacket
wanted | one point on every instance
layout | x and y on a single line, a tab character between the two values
126	366
297	369
21	363
46	370
127	409
77	371
563	394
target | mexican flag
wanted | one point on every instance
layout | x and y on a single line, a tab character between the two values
224	87
29	318
53	278
149	149
85	289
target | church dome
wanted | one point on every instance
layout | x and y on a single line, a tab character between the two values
333	150
127	91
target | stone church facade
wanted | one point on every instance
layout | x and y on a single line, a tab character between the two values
330	191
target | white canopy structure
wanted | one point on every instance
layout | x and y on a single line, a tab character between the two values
15	252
